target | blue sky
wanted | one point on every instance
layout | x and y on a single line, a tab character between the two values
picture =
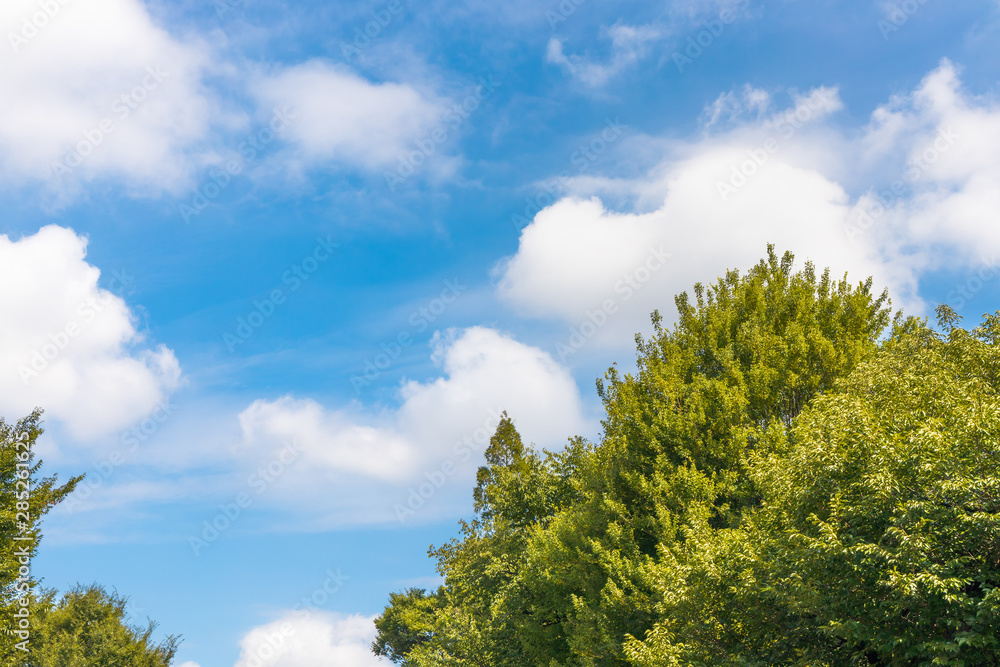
266	273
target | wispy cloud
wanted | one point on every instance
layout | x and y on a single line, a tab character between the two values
628	45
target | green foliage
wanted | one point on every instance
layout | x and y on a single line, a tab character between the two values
892	490
736	369
89	628
877	540
407	624
21	512
776	485
472	619
750	354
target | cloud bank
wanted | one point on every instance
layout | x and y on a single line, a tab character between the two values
912	191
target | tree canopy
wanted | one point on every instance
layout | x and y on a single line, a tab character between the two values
25	497
87	627
790	476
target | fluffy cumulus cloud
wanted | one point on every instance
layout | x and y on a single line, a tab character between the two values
96	89
332	439
341	117
440	425
584	263
944	192
70	346
311	638
869	201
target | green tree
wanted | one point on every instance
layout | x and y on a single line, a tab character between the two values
469	619
672	468
408	623
565	558
25	497
877	538
89	627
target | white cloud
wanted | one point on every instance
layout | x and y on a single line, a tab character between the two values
631	43
628	45
313	467
577	255
946	140
311	638
793	179
70	346
98	87
96	90
341	117
736	104
484	370
447	419
332	439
